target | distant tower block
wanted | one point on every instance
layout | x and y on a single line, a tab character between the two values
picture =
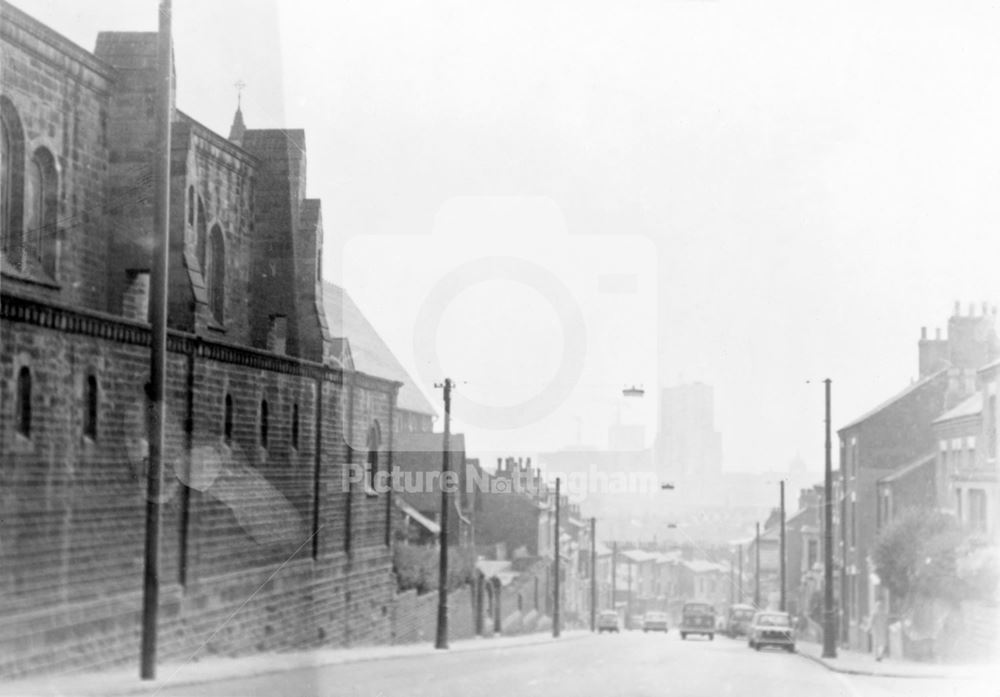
688	445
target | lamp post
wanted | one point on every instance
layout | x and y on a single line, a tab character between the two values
158	283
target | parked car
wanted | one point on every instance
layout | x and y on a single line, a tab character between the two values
654	622
607	621
772	628
738	620
698	618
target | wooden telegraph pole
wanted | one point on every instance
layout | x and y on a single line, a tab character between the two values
593	574
555	610
441	640
829	618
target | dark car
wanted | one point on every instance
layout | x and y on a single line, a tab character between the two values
772	628
698	618
738	620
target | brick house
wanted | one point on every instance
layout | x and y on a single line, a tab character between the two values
967	459
898	437
266	407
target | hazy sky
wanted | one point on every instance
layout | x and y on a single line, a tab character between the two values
751	194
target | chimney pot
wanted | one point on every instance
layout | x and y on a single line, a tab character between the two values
958	308
923	333
972	309
937	334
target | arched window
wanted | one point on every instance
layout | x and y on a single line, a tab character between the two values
263	423
215	273
190	206
227	423
374	441
295	426
23	402
201	234
41	205
90	416
11	182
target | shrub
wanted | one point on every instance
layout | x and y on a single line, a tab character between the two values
416	567
915	556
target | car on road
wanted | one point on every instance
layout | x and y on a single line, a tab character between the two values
771	628
697	618
607	621
738	620
654	622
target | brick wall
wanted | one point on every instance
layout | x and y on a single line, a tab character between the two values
414	617
243	532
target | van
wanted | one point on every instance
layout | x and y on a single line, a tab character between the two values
698	618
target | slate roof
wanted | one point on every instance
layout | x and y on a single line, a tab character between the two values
370	353
903	471
973	406
422	451
892	400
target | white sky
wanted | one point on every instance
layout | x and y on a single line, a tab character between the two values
801	186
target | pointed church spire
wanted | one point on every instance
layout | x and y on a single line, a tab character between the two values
238	128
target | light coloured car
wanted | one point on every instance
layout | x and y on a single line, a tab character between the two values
607	621
654	622
771	628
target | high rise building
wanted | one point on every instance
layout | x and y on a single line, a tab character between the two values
687	444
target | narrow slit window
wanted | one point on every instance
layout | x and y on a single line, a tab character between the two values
227	424
24	402
90	417
263	423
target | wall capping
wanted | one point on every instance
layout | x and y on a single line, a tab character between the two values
101	325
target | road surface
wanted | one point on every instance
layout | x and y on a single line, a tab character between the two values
629	664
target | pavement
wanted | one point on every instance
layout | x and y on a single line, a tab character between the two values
125	680
578	664
857	663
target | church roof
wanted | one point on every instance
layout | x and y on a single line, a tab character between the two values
370	353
